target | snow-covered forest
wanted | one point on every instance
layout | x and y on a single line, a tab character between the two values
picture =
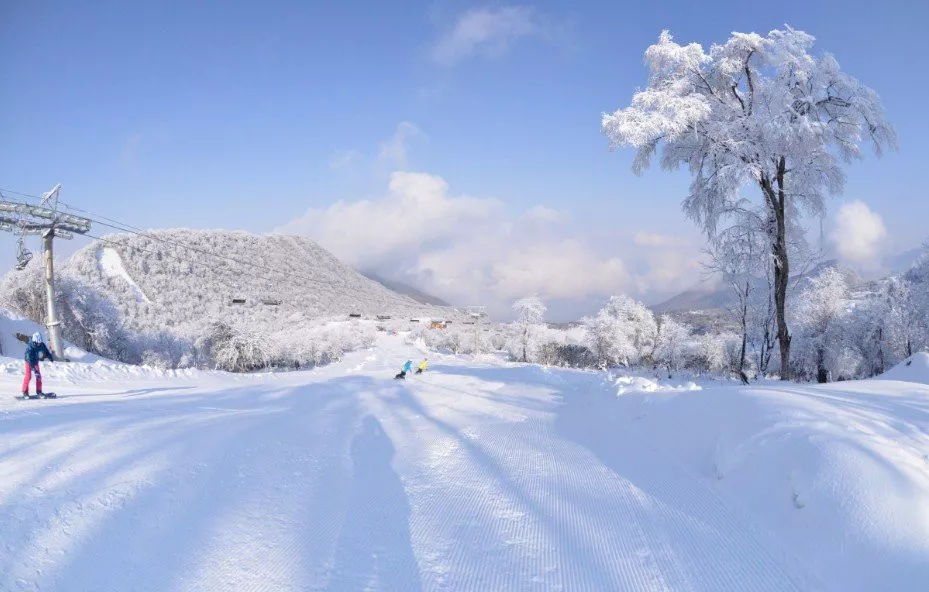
843	328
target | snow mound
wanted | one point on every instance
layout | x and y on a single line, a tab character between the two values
640	384
840	472
913	369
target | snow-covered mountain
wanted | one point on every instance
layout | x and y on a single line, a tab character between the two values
166	290
705	296
169	276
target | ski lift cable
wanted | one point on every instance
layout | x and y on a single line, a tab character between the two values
121	226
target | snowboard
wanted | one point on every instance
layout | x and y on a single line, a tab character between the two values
42	396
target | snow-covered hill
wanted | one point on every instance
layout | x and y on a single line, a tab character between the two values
160	282
160	296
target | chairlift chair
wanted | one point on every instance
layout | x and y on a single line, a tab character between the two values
23	255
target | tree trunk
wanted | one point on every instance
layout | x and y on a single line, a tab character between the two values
880	351
525	343
744	320
822	376
776	202
767	340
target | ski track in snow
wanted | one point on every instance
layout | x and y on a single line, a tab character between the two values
111	264
464	478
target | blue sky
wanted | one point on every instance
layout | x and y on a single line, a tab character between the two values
257	116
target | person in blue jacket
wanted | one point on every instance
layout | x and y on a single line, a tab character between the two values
34	349
407	368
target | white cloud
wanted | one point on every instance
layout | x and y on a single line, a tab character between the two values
394	151
544	214
859	234
416	213
656	239
471	250
484	31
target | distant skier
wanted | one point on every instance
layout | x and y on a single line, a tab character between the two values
407	368
422	366
34	349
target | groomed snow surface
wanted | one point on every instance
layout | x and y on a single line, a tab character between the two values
473	476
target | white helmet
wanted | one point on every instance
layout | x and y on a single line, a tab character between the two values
36	337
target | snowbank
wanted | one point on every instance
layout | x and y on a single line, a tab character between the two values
839	472
913	369
640	384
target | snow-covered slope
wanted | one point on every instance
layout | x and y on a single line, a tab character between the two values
473	476
913	369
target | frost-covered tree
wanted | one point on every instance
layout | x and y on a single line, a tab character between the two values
910	306
819	314
757	111
866	332
739	255
671	343
529	314
622	333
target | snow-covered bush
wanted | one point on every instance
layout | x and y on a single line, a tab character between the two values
671	341
318	343
713	352
568	355
233	349
455	340
24	292
623	333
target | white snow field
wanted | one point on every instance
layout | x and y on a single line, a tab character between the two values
473	476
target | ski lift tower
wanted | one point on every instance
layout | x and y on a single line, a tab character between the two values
46	221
